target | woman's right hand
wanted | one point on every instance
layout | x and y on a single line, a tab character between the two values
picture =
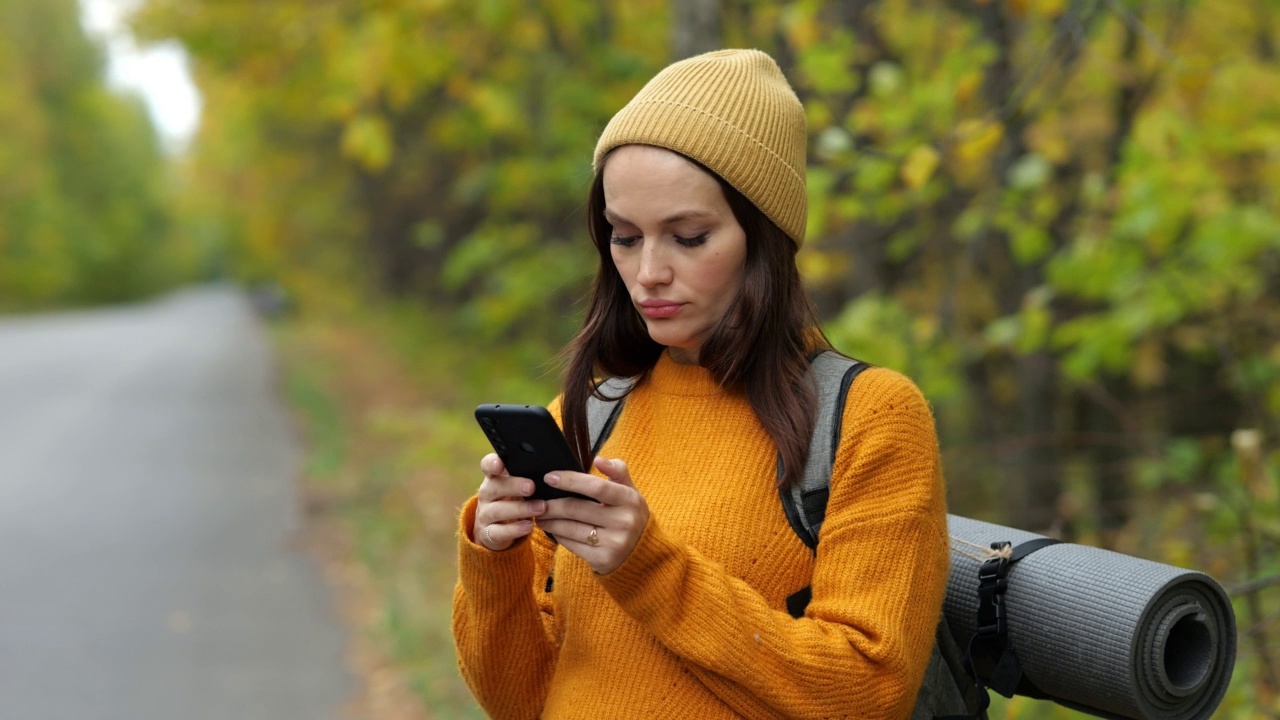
503	515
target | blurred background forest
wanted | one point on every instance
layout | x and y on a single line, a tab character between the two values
1061	217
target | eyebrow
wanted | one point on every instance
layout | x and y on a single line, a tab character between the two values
690	214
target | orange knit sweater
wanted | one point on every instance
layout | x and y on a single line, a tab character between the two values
693	624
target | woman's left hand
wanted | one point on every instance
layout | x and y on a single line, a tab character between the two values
603	533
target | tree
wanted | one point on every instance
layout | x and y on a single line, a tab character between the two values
695	27
82	214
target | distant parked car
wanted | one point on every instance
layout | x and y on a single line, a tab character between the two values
270	300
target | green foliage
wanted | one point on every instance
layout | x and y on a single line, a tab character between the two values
450	141
893	338
83	207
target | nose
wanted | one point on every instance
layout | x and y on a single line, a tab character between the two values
655	268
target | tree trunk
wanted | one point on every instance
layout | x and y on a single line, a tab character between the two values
1264	45
695	27
1038	460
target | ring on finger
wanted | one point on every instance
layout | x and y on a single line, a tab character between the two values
593	537
489	537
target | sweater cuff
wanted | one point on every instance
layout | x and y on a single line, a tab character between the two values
489	575
646	584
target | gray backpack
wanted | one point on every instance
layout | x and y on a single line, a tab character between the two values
948	691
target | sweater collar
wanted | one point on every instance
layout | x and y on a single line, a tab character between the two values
671	378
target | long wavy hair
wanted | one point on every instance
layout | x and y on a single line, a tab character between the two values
760	347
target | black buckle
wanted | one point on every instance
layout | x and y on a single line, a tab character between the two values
990	644
992	582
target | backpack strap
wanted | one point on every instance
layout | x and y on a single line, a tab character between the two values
805	503
603	408
947	691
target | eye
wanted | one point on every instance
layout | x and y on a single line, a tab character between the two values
625	242
693	241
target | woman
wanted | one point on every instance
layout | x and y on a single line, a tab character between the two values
666	597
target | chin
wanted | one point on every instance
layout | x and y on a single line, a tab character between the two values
667	338
674	341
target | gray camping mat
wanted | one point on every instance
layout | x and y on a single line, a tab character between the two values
1104	633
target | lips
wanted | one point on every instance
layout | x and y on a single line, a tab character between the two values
660	309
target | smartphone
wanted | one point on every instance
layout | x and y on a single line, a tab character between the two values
530	444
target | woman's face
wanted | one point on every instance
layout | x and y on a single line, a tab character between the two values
675	242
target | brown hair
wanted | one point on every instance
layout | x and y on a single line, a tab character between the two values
760	347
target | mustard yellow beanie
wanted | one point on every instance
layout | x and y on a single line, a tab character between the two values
732	111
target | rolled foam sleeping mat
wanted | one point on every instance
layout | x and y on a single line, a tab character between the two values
1104	633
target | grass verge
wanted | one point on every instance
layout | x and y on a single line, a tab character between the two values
384	403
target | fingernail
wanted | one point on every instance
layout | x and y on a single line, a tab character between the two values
537	507
553	480
527	487
606	462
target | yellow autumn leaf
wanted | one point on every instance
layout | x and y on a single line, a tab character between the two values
1192	84
967	86
801	27
814	265
1047	140
367	140
919	166
976	140
530	33
1051	8
818	113
1041	8
864	118
498	108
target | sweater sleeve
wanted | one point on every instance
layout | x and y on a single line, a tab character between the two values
503	623
879	581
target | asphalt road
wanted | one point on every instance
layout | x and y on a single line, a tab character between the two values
148	517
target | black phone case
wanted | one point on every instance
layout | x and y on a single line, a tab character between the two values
530	444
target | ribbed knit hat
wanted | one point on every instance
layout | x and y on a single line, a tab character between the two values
732	111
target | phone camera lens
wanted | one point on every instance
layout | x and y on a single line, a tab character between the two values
528	447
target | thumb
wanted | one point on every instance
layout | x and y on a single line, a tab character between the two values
615	470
